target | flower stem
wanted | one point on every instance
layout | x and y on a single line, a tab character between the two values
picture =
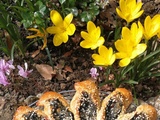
49	56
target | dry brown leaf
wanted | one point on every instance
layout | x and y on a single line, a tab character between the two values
68	68
35	53
46	71
59	76
67	54
2	102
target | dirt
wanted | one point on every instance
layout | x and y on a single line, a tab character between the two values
73	64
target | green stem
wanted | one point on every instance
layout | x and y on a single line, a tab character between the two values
134	94
49	56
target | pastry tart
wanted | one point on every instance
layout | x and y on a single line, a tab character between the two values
55	106
86	105
143	112
28	113
86	101
115	104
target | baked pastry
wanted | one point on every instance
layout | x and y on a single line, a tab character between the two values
86	101
143	112
86	105
115	104
28	113
55	106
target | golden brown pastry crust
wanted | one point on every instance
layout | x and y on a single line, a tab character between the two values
122	96
45	99
148	111
87	94
22	110
91	89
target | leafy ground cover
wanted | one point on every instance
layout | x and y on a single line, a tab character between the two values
71	62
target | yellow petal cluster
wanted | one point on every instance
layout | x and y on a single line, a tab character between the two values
129	45
151	26
105	56
92	38
129	10
61	28
39	33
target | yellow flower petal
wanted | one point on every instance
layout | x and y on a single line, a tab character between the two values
61	28
123	45
31	36
33	29
151	26
44	43
124	62
96	33
100	42
71	29
54	30
120	14
64	37
56	17
120	55
105	57
59	39
122	6
138	7
90	27
38	33
92	39
98	60
124	35
85	44
129	10
140	48
68	20
138	14
102	50
112	59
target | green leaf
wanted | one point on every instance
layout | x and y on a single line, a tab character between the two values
155	74
21	9
62	1
3	22
30	5
126	69
107	82
26	23
151	55
72	3
72	10
85	16
129	81
5	50
41	7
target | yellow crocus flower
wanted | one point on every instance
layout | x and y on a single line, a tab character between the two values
129	45
151	26
129	10
39	33
61	28
92	38
105	56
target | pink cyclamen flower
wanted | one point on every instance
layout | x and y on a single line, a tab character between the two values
93	72
3	78
24	72
6	67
